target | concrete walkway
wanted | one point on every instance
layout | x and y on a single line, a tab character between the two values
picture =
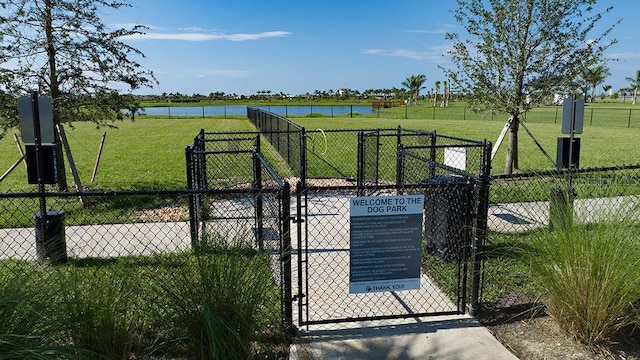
517	217
328	298
102	241
441	337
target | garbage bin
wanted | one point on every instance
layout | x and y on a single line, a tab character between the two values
446	216
51	245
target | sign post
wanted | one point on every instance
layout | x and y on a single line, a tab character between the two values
561	200
385	246
36	127
37	132
572	124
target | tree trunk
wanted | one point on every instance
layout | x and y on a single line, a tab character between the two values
511	161
447	93
55	95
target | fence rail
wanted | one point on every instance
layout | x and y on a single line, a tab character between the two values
593	116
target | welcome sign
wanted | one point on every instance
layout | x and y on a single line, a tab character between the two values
385	243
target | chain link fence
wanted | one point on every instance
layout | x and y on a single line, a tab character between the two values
93	247
241	201
122	274
118	273
525	208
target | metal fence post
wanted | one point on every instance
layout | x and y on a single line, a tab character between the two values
399	161
258	205
302	247
288	143
303	157
400	169
188	151
480	231
360	176
201	159
434	142
285	257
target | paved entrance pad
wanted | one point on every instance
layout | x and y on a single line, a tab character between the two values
440	337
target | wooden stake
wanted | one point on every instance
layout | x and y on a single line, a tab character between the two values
95	167
11	168
496	146
24	158
72	164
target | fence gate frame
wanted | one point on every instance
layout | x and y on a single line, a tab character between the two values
468	262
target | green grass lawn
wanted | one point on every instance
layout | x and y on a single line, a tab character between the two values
149	153
600	145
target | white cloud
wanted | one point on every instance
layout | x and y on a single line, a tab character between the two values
203	36
431	53
443	29
624	55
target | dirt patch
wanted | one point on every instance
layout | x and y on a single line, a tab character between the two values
165	214
535	336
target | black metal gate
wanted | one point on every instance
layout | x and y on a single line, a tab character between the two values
450	228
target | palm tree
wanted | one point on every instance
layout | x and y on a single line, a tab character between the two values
414	84
634	84
606	89
594	77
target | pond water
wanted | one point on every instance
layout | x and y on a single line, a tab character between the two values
241	110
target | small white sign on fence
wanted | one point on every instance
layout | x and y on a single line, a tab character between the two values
456	157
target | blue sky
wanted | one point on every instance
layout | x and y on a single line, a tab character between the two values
294	47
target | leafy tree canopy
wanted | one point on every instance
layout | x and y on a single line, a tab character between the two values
62	49
515	53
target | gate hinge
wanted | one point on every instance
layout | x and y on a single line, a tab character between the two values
296	296
297	220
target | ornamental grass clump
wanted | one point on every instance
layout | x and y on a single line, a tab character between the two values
28	326
19	312
220	302
97	309
591	276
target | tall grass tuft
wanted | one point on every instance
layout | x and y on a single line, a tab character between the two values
19	313
27	325
220	301
591	276
97	308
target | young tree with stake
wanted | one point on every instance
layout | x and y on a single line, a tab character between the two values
62	49
515	53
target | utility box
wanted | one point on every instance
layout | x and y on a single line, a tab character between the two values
49	168
562	155
51	244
